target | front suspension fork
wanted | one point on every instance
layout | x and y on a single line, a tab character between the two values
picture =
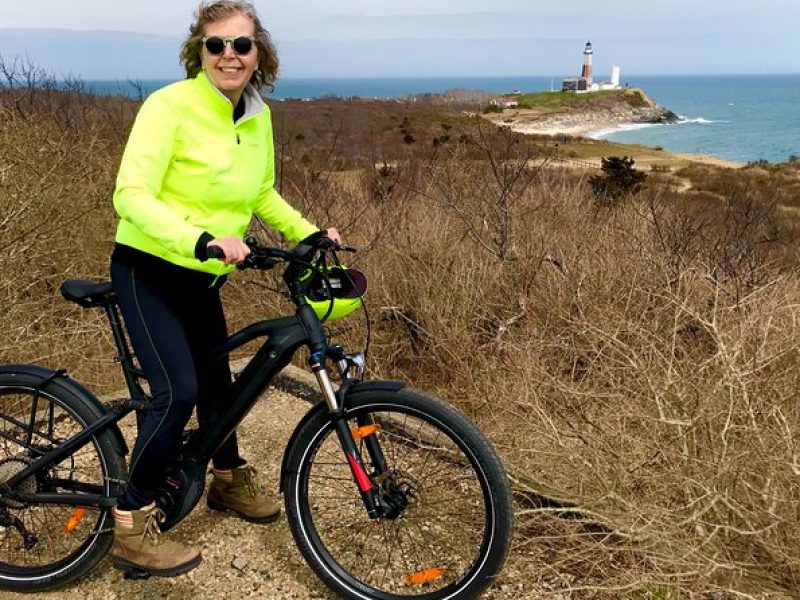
370	494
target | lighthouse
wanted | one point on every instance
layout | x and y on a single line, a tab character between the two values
585	82
586	72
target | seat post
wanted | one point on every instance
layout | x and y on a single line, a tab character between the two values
124	355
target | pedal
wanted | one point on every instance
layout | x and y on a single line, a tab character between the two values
187	433
136	574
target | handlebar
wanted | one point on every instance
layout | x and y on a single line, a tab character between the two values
309	255
266	257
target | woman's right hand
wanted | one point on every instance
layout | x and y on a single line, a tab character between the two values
234	248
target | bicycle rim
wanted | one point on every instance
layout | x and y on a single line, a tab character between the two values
62	535
441	539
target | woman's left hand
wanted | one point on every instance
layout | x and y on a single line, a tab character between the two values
333	234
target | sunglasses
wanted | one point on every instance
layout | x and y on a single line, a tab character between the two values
241	45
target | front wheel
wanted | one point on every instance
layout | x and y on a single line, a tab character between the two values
450	520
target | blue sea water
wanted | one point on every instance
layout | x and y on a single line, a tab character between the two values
366	88
743	118
736	117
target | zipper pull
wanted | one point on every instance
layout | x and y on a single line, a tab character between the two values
237	138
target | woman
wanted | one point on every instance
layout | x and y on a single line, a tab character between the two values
198	165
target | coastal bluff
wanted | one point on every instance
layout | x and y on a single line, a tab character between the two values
564	113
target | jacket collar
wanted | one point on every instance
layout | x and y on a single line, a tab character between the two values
253	103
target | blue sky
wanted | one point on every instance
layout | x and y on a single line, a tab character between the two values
368	38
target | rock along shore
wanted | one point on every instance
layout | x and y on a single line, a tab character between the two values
583	121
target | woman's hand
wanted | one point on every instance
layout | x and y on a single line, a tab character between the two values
333	234
235	249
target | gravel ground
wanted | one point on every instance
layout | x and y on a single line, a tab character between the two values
240	560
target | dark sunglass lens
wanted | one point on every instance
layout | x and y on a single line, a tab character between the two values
215	45
242	45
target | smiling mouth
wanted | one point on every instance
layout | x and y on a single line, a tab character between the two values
230	69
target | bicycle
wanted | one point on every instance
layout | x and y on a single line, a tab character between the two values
389	492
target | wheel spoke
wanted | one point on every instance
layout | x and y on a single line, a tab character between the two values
32	424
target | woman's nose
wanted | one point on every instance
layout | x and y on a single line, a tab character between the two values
228	53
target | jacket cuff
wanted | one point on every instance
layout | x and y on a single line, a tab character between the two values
201	247
312	238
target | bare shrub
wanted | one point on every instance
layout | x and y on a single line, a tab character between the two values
484	185
57	168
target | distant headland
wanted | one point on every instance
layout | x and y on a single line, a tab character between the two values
551	113
583	106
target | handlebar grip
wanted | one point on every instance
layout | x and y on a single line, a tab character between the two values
215	252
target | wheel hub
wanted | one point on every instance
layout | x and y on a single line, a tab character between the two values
398	490
8	468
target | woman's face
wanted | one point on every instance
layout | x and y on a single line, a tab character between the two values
229	71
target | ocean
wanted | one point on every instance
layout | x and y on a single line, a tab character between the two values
743	118
736	117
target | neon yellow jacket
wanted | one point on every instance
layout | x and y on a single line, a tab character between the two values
188	169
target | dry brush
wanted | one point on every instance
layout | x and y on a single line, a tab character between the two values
634	364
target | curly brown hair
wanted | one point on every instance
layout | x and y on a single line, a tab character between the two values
209	12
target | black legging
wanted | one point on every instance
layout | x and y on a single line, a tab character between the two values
174	318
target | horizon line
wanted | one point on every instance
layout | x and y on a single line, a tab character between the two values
468	77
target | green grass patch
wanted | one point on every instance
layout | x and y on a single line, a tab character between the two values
562	101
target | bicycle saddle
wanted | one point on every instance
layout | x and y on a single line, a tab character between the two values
88	294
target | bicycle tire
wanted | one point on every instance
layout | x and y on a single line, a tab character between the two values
341	544
63	411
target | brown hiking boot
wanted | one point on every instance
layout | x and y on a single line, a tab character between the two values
236	490
141	549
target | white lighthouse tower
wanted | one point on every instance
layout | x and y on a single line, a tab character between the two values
586	72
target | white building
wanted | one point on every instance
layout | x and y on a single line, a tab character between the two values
507	101
612	84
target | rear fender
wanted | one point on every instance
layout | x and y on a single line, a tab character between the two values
60	380
362	386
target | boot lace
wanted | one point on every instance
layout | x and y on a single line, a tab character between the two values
250	481
151	526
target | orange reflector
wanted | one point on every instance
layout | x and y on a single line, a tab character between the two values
359	433
74	519
425	576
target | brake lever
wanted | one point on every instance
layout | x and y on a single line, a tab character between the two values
254	260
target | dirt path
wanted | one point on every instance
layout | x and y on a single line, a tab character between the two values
240	560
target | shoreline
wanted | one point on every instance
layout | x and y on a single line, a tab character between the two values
594	132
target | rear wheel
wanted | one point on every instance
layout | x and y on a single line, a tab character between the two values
46	545
447	496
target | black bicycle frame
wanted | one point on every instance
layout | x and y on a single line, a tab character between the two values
284	336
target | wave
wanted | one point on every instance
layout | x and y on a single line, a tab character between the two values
600	133
682	120
698	120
